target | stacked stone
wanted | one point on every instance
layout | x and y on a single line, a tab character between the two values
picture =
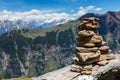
91	50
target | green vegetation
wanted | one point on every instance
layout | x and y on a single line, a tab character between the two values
32	71
35	52
31	49
50	64
29	33
21	78
119	41
112	44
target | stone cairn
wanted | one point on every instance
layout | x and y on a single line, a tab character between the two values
91	50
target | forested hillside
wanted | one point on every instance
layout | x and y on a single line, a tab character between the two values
27	52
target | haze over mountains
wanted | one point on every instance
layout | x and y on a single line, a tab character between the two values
38	19
8	25
31	52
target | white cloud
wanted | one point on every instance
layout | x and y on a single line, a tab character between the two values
84	10
90	7
45	15
34	14
72	10
98	9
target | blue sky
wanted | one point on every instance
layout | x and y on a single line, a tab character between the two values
73	8
63	5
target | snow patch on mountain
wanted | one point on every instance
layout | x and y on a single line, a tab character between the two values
36	19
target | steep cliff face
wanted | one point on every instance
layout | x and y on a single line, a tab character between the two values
23	56
30	53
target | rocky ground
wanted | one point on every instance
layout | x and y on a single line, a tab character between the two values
111	71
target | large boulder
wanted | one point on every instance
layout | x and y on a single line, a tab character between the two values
104	48
90	20
87	45
110	71
86	50
93	39
91	26
86	33
102	63
101	44
94	60
86	56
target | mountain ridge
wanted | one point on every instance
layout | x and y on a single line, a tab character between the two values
28	52
8	25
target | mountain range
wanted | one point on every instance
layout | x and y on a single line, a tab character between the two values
8	25
32	52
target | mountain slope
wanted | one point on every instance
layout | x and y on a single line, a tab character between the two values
8	25
35	56
109	28
27	52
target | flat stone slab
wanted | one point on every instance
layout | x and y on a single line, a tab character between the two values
66	74
61	74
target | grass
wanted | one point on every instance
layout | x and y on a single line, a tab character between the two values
21	78
35	33
50	65
32	71
112	44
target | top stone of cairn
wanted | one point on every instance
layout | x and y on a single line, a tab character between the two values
89	23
